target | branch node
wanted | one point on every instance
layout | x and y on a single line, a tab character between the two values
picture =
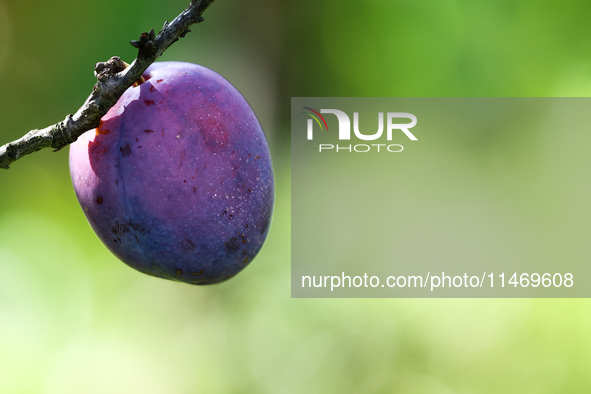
146	43
99	67
103	70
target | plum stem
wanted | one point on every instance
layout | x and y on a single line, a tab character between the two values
139	81
113	79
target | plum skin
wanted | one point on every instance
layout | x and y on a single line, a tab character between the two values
177	180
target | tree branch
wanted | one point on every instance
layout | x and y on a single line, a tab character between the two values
114	78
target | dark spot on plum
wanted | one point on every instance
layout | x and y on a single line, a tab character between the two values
247	226
119	229
245	261
243	253
185	181
258	157
187	244
160	80
137	226
114	240
194	190
178	272
232	245
136	140
148	131
198	273
224	213
265	226
125	150
148	102
139	146
152	89
250	191
230	216
183	158
136	238
99	200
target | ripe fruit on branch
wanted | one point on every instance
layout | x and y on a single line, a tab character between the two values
177	180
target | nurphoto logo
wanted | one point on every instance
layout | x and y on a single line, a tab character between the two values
345	130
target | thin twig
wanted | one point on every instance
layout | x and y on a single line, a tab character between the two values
114	78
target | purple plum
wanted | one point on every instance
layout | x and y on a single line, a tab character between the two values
177	180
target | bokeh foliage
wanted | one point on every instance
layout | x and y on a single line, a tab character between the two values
74	319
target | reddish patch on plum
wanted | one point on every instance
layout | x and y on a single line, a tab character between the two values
214	134
149	102
95	148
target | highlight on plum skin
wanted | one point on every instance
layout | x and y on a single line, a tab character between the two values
177	180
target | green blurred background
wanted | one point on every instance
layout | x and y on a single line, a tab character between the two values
73	319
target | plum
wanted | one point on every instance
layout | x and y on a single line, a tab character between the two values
177	180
